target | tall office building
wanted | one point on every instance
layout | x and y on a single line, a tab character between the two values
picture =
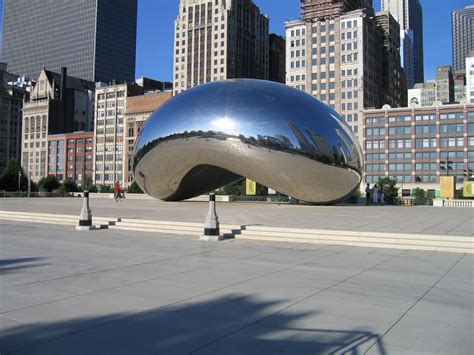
338	58
409	15
217	40
423	94
470	78
322	9
277	50
444	84
462	23
459	77
94	39
11	106
58	103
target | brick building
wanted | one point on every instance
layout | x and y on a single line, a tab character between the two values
71	156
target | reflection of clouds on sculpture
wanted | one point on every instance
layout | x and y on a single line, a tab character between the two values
219	132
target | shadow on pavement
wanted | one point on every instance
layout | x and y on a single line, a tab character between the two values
228	325
11	265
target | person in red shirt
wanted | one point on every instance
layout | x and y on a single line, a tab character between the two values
116	191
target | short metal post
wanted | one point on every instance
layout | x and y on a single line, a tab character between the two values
211	224
85	219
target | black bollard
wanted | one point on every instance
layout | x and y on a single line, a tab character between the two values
211	224
85	218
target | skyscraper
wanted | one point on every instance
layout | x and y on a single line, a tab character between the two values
462	22
220	39
409	15
94	39
338	57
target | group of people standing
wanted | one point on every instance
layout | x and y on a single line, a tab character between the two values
377	193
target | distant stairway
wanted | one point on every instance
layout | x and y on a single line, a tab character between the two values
429	242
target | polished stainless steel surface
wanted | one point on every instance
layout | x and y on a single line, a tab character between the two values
217	133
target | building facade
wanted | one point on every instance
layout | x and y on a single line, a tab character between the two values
409	14
444	84
459	78
217	40
470	78
70	156
339	60
393	78
462	30
11	106
423	94
277	59
94	39
410	144
137	111
58	103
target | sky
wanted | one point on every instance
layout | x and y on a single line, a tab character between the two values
156	23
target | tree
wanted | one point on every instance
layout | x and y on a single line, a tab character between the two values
390	190
9	179
105	189
48	183
134	188
420	196
88	185
70	185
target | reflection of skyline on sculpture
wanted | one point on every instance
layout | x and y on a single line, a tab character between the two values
248	122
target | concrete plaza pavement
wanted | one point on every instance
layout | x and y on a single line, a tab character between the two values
390	219
120	292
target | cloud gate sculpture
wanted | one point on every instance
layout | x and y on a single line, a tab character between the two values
215	134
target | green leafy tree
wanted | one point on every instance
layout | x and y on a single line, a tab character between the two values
234	189
89	186
355	197
390	190
105	189
9	179
48	183
420	196
69	185
134	188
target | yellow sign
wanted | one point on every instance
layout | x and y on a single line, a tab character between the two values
250	187
468	189
447	186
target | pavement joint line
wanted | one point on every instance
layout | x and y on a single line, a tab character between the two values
117	268
290	305
131	283
416	302
140	312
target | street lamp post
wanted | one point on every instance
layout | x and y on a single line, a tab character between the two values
446	166
19	181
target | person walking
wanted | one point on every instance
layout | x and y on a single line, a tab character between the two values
116	191
367	194
375	195
381	195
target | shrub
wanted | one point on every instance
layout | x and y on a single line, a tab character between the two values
9	179
390	190
69	185
420	196
134	188
48	183
105	189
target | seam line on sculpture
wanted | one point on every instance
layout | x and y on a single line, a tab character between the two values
414	304
291	305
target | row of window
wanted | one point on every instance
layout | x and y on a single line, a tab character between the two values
442	116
